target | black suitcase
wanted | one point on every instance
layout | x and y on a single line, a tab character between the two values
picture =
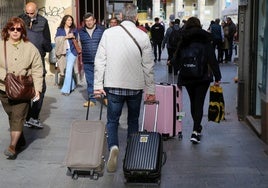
144	155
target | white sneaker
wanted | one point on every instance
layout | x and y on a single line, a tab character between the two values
112	161
35	123
27	125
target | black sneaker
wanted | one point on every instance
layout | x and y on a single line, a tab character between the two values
199	131
195	138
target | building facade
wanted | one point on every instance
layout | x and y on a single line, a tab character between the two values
252	74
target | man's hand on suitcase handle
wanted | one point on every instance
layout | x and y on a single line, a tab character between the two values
150	98
98	93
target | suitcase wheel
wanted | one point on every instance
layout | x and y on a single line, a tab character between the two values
165	136
95	176
180	135
75	176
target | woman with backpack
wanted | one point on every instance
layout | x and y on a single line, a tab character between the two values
197	64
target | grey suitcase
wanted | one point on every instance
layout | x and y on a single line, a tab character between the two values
85	155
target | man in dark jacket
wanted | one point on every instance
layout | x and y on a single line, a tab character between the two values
89	37
171	38
230	37
39	34
157	32
218	37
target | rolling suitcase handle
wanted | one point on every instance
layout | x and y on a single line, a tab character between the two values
93	95
156	113
164	155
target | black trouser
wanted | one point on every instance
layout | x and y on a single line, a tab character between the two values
217	44
157	45
170	56
197	94
225	53
35	107
230	50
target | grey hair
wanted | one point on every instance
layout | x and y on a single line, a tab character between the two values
129	12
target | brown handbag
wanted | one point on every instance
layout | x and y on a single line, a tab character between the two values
19	87
77	47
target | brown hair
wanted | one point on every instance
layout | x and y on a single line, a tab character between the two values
11	22
193	22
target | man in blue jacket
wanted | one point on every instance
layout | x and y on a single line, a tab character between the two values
90	36
39	34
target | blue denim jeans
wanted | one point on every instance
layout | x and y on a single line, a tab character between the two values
89	73
114	111
69	83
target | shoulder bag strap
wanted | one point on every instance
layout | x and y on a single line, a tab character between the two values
132	38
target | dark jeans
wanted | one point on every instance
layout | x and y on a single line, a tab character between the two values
217	44
35	107
225	53
157	45
170	56
89	73
197	94
114	111
230	50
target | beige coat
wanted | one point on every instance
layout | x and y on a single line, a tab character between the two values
225	44
19	59
60	50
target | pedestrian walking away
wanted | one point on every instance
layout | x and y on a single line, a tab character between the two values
171	39
39	34
157	34
123	69
195	56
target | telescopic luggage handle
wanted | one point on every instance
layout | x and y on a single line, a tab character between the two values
156	113
102	100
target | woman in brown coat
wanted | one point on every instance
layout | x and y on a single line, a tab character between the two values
20	55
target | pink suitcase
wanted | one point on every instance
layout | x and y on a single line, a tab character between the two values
169	121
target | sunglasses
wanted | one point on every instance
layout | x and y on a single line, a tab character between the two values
30	13
19	29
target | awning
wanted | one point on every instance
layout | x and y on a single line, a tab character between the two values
230	10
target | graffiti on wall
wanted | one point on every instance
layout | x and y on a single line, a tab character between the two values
52	11
53	14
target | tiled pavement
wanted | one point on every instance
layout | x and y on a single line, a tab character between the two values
230	154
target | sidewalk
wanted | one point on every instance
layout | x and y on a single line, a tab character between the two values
230	153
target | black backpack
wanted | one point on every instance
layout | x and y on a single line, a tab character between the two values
174	38
192	61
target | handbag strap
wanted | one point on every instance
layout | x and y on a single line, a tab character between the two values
132	38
